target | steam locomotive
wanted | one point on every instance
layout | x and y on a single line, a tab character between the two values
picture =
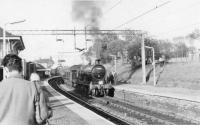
91	80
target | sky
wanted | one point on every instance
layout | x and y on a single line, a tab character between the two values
177	18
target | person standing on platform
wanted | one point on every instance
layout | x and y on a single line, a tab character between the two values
35	79
111	77
114	74
18	97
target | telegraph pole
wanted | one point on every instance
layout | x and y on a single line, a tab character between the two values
154	64
74	33
4	40
143	59
154	68
115	64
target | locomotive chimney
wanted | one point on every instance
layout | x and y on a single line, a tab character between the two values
98	61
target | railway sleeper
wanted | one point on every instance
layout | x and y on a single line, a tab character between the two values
144	117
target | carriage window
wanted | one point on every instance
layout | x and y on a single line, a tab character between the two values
74	74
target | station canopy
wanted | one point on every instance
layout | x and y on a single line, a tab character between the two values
15	40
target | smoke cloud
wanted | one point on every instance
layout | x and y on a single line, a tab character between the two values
88	12
195	34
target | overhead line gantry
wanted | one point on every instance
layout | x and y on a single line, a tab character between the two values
73	32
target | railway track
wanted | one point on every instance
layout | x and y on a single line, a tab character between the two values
135	114
142	115
114	108
56	81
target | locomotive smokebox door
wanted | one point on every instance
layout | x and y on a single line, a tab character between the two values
98	72
97	61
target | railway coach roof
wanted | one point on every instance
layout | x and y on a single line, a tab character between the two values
75	67
7	33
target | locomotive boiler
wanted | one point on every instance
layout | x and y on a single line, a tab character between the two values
90	80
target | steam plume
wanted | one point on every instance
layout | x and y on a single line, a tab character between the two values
87	11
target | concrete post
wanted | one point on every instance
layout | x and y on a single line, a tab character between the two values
4	40
154	67
143	60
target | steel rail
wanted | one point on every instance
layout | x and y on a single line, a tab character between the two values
106	115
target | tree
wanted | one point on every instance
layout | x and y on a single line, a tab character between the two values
181	49
166	48
152	43
115	47
195	34
132	40
100	47
134	54
130	35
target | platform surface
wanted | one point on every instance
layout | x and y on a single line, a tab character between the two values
180	93
68	112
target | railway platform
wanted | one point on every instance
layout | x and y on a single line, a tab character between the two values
178	102
68	112
179	93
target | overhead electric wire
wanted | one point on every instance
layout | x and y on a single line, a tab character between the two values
142	14
178	29
65	32
112	7
177	11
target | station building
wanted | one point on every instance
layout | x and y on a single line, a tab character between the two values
14	44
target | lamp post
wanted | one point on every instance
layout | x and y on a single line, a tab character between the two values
154	67
4	34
